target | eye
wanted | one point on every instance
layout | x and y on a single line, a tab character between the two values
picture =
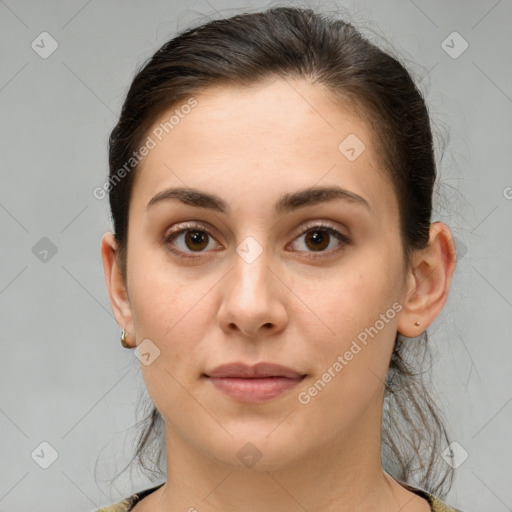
320	237
193	237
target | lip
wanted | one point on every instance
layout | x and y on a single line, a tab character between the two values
257	371
253	384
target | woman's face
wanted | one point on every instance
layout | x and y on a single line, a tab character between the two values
254	281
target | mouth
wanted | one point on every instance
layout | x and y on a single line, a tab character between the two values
253	384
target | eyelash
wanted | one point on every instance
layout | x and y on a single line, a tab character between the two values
318	226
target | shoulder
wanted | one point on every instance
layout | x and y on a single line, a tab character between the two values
439	506
128	503
436	505
122	506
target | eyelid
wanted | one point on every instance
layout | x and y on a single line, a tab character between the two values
318	224
191	224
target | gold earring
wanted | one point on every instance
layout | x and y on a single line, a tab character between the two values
123	340
417	324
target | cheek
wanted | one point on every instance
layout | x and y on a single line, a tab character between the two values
355	318
344	302
171	312
350	364
171	306
161	298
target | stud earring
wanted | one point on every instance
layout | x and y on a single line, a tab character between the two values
417	324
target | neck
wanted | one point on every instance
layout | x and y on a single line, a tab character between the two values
340	477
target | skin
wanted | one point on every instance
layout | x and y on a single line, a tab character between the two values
249	146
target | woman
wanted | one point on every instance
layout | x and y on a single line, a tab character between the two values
275	265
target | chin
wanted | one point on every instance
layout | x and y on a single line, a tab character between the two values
257	450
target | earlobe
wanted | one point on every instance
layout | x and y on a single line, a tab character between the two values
428	282
116	286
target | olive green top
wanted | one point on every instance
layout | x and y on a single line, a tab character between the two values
128	503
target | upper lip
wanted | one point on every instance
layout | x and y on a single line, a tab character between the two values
256	371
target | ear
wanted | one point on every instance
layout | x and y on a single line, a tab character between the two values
117	290
428	282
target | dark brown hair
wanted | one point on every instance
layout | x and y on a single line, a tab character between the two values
290	42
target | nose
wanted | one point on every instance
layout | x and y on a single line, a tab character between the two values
253	299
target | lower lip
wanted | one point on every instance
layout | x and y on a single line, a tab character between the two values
254	390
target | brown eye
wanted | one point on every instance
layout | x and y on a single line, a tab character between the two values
196	240
188	240
318	238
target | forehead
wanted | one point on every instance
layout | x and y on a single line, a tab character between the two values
265	140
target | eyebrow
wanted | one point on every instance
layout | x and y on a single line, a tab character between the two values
285	204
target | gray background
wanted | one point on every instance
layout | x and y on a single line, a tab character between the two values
65	378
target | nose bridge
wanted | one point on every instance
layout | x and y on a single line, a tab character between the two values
251	300
251	273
